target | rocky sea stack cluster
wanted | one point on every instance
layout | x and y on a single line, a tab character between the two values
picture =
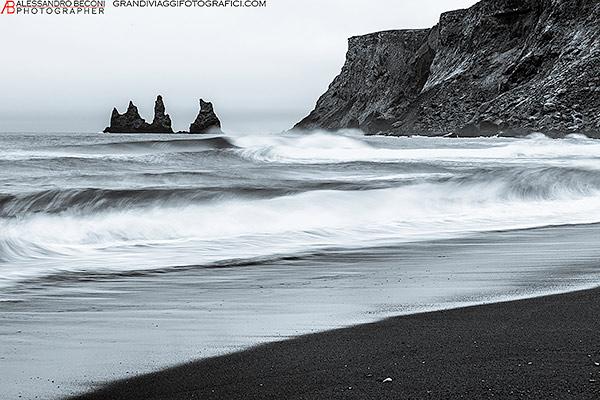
501	67
131	121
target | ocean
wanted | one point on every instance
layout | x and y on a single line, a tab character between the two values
122	254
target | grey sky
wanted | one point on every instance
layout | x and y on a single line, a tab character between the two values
263	68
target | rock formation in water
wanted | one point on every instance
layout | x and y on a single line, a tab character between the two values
206	121
508	67
128	122
162	121
131	122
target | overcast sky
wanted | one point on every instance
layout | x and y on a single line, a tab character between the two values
263	68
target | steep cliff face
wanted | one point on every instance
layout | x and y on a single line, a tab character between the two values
383	74
132	122
500	67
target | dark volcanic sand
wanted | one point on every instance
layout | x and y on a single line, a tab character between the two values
543	348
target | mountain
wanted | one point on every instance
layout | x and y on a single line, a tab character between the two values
503	67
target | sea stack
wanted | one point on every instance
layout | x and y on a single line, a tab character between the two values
206	121
161	122
501	67
129	122
132	122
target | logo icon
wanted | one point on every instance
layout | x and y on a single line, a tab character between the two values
9	7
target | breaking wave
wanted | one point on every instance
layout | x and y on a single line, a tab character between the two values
120	149
295	194
324	148
543	183
236	229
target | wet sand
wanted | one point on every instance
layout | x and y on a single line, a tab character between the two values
67	335
541	348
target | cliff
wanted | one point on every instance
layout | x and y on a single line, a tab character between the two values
507	67
131	122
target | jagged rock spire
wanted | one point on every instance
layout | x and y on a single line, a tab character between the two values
129	122
162	121
206	121
132	122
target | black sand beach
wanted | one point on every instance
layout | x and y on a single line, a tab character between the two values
137	254
542	348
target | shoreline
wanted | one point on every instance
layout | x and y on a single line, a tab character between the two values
101	338
542	347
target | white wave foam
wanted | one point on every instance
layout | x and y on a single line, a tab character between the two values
471	197
320	147
156	238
